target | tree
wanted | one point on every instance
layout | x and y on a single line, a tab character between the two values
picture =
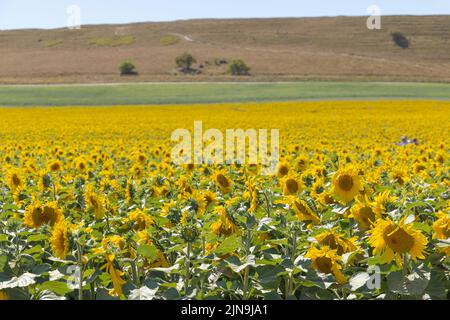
127	68
400	39
239	68
185	62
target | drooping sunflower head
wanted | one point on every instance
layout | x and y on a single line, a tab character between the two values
346	184
210	197
51	213
37	214
391	240
326	260
222	181
302	210
364	215
139	219
441	226
95	202
33	215
224	225
384	202
60	240
337	242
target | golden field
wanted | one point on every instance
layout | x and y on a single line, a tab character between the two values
95	188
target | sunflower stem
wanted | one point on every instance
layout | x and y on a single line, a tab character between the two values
80	270
188	267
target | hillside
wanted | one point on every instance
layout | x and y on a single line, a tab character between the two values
338	48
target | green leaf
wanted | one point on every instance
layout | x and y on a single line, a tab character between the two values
413	284
229	245
3	238
58	287
148	251
22	281
37	237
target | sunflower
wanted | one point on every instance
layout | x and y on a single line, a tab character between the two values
224	225
364	215
95	202
301	163
222	181
210	197
337	242
400	175
441	228
282	169
14	179
196	202
37	215
81	164
291	184
390	240
60	240
302	210
326	260
184	185
114	242
139	219
55	166
383	202
44	181
346	184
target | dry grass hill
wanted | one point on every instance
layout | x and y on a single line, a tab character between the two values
337	48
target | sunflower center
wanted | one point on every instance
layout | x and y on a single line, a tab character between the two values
222	180
15	180
283	171
399	240
324	264
345	182
292	186
367	215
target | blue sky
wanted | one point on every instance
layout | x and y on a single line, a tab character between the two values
18	14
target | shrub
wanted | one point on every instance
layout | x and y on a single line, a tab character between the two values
400	40
239	68
185	62
127	68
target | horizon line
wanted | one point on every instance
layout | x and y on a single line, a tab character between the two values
228	18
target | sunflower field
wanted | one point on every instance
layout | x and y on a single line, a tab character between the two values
92	207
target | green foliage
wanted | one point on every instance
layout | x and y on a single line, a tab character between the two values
52	43
400	39
113	41
169	40
239	68
127	68
185	62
